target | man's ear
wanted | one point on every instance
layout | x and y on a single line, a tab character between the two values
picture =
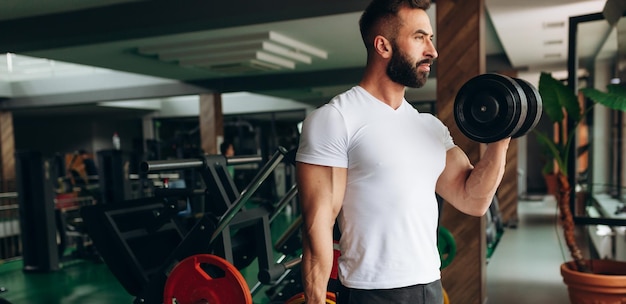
382	46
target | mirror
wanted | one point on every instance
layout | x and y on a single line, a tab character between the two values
597	57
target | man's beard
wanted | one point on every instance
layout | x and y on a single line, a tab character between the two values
400	70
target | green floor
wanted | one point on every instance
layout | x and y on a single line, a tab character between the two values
77	282
85	281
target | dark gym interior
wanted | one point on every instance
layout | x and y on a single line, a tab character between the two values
118	187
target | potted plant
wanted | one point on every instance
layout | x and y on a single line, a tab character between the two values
589	281
547	171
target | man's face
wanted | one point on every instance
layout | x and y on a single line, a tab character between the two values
412	49
404	70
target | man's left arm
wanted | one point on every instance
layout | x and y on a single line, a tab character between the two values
470	189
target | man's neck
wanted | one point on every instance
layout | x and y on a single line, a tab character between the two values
383	89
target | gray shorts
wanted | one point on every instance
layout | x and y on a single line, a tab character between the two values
430	293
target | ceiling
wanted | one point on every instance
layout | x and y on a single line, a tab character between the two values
111	47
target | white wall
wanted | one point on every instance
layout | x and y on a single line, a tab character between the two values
601	130
97	81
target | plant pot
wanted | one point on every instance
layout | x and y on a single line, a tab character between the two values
606	285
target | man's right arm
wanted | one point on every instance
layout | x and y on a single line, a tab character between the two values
321	190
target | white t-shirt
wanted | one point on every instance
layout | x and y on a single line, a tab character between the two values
389	215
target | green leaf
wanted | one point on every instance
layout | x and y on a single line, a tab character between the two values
557	98
615	99
616	89
550	97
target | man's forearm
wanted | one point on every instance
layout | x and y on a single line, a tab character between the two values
486	176
316	267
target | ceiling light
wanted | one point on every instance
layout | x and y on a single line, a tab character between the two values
9	62
260	51
553	42
552	55
211	52
240	57
553	24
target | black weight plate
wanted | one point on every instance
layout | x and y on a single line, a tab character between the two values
534	108
487	108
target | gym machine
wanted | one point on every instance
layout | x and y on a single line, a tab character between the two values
44	249
37	212
114	176
152	254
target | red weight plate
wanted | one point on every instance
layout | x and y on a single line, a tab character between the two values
206	278
299	298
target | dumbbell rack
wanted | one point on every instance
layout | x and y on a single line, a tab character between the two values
135	238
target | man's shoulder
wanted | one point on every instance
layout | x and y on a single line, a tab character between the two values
351	98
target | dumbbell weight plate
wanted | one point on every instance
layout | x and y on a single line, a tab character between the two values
534	107
489	107
206	278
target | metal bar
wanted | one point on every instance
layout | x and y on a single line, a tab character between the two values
161	165
248	191
8	195
258	284
244	159
284	201
9	207
585	220
256	288
293	228
292	263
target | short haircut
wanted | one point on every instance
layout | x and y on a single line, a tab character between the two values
380	17
224	146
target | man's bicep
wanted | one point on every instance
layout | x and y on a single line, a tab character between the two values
321	190
451	182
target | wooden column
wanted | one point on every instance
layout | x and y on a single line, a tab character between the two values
507	192
211	122
460	41
7	155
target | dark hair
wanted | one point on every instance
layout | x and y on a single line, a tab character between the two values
224	146
380	15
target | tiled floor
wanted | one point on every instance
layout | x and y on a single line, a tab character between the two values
525	265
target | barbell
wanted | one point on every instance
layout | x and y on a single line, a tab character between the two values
491	107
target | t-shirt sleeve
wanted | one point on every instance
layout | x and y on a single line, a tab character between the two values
444	132
324	139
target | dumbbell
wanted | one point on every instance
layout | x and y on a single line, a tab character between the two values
491	107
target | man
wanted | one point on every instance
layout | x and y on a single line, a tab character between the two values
370	161
90	165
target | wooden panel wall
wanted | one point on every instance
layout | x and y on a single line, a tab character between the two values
7	152
460	30
507	192
211	122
